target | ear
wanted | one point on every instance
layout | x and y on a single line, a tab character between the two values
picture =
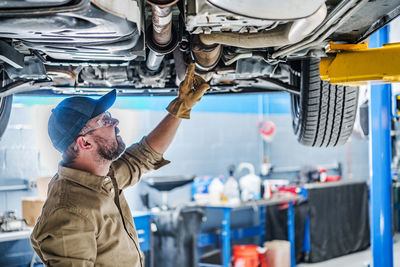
84	143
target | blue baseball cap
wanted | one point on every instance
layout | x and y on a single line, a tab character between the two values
72	114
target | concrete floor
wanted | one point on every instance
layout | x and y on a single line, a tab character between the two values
359	259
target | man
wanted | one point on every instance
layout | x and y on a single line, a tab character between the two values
85	220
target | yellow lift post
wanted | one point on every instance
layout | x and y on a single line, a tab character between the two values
355	64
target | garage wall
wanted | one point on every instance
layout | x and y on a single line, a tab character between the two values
222	131
19	158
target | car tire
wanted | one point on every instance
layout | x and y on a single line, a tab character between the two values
5	111
323	114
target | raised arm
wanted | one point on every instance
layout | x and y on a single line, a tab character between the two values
190	92
161	137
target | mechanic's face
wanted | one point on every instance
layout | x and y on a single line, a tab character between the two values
110	145
109	149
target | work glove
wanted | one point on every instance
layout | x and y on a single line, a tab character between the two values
187	97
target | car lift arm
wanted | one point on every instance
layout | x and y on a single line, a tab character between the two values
355	64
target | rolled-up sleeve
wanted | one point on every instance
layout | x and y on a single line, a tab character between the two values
137	160
65	239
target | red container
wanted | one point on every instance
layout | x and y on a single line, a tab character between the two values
262	257
332	178
245	256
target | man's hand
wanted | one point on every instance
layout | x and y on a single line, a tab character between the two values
180	107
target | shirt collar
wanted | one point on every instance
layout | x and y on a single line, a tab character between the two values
86	179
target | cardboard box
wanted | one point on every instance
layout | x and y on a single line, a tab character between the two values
31	209
32	206
42	185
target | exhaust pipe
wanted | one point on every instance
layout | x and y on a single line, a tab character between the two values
161	37
280	36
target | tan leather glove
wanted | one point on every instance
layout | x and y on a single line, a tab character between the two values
180	107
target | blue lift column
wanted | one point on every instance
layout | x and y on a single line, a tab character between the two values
380	170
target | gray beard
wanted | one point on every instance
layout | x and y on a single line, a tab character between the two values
108	151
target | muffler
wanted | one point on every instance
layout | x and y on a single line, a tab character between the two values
161	37
206	57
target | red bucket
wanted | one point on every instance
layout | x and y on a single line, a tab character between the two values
245	256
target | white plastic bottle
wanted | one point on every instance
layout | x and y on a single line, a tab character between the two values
250	184
267	189
231	188
215	191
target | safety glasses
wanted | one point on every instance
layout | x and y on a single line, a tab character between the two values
105	121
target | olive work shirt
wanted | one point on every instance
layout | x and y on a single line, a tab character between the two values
86	220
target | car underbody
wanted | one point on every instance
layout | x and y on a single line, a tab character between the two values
143	48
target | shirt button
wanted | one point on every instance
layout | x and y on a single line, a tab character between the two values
112	190
107	179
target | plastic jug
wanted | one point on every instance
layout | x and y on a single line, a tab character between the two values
231	188
250	184
231	191
215	190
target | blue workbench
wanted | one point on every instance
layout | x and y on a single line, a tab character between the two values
142	220
15	248
228	234
142	223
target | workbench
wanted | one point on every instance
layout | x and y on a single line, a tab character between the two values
332	220
227	234
17	235
15	248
